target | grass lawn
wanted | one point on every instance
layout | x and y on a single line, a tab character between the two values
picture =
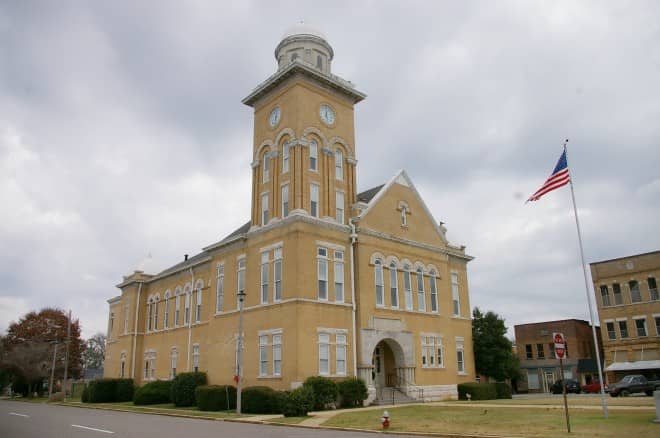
573	400
504	421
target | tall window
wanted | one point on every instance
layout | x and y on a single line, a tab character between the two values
540	352
611	333
459	357
264	277
220	288
340	354
149	364
324	354
635	295
322	261
277	274
407	287
434	292
313	155
186	306
149	316
394	286
605	295
195	358
314	200
454	294
657	325
285	158
285	200
177	307
241	282
339	164
339	276
653	289
266	167
616	289
277	355
198	307
339	205
640	324
432	351
111	324
319	62
263	355
155	304
378	266
623	329
173	360
264	209
127	309
122	369
421	295
528	352
166	316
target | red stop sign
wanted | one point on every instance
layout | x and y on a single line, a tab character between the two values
560	345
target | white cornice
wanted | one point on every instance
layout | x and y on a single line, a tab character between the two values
436	249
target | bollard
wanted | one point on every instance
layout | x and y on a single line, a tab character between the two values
656	397
385	420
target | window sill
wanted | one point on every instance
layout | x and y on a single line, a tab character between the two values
433	367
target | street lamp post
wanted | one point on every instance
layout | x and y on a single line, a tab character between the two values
239	353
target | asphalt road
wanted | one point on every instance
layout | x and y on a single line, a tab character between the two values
28	420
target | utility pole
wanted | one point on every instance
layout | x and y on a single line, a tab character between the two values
66	355
52	372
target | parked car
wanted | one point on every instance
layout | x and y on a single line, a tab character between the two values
571	386
634	383
592	388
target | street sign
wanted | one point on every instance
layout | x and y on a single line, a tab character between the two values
560	345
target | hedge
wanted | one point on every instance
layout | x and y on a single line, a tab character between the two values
477	391
215	397
324	390
298	402
183	388
503	390
153	393
84	397
110	390
261	400
352	392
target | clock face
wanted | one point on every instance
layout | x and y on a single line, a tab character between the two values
327	114
274	118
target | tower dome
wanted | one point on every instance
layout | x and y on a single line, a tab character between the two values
304	43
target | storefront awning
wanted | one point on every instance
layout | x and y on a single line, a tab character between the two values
634	366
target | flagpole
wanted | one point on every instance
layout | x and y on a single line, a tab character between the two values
586	289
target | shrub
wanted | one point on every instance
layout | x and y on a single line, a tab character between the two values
183	388
298	402
84	397
153	393
215	397
261	400
325	391
125	390
103	391
477	391
352	392
502	390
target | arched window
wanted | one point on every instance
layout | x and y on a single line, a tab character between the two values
378	266
198	307
173	362
156	300
407	287
394	286
186	308
339	164
149	313
285	158
266	168
319	62
166	316
313	155
177	306
434	291
421	295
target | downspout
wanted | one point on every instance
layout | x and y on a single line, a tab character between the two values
190	314
353	243
135	331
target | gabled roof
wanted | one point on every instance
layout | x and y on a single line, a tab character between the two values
368	195
237	232
401	177
184	264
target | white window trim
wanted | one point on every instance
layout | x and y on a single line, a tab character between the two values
339	165
379	264
316	186
326	259
220	288
284	200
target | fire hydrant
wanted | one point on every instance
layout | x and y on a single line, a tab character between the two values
385	420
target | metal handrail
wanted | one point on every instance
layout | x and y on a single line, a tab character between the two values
402	381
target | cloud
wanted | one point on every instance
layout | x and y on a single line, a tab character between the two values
121	126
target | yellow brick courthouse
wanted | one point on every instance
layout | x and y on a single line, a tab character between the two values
337	283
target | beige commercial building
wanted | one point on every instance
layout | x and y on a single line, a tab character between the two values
336	283
629	310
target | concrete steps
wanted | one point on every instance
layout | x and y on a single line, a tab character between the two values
392	396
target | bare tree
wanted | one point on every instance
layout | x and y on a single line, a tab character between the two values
94	353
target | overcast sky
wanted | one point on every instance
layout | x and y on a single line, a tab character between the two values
122	134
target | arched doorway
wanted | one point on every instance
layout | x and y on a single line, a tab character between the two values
387	360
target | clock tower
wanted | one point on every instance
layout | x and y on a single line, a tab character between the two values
304	139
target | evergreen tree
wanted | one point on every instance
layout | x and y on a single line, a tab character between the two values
493	354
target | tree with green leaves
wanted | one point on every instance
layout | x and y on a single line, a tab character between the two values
493	354
94	353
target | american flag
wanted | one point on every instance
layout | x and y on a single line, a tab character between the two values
558	178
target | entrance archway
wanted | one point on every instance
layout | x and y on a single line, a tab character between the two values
387	360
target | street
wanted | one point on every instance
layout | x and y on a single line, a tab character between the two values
32	420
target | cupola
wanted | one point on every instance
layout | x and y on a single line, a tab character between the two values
303	43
